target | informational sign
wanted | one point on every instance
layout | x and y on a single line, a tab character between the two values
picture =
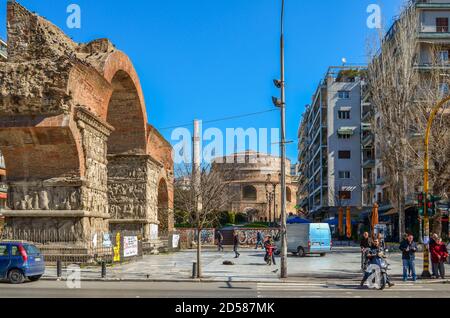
130	246
153	231
107	240
175	240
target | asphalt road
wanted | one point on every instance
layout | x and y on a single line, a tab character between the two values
295	289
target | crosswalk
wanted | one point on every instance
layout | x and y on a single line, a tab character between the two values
283	289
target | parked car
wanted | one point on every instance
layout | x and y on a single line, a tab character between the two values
304	239
19	261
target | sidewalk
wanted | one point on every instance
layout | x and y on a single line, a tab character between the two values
342	264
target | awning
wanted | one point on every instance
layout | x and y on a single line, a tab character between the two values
346	130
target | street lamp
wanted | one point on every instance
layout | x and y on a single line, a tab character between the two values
281	103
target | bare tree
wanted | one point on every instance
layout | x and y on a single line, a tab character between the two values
403	93
202	198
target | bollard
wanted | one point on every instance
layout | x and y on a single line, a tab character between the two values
194	270
103	269
58	269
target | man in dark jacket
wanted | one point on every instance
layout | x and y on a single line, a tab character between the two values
219	238
409	249
236	245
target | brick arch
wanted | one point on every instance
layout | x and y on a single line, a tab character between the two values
126	110
163	207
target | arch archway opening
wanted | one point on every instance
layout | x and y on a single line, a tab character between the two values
126	116
163	208
249	193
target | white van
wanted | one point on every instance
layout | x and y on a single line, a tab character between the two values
303	239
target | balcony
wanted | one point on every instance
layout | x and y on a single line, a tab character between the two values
368	140
430	4
381	181
369	163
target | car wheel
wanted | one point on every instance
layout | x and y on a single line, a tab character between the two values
277	253
323	255
35	278
300	252
15	276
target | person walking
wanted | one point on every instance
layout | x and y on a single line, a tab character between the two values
432	244
269	243
439	255
364	244
236	245
259	240
409	249
219	238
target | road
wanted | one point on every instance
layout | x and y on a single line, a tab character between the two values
297	289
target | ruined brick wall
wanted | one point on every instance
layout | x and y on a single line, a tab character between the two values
64	107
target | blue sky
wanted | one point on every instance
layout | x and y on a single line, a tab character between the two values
209	59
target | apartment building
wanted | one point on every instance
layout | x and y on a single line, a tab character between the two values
433	32
330	143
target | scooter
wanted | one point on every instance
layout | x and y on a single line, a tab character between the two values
269	254
377	270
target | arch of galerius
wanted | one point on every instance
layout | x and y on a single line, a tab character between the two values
79	153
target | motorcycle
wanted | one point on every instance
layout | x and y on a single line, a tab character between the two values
377	270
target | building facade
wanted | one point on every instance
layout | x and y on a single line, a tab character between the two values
329	145
255	185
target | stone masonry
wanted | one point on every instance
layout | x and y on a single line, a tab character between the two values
79	153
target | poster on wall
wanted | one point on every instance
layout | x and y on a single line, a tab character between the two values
107	240
175	240
153	232
130	246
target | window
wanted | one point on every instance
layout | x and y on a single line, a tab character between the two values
344	154
379	198
443	88
344	114
441	25
288	195
344	136
15	250
3	250
344	94
443	56
249	193
344	174
345	195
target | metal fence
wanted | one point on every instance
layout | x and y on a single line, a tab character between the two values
65	245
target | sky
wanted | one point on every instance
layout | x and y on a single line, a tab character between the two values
212	59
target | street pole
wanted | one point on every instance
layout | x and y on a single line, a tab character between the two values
426	188
196	186
284	273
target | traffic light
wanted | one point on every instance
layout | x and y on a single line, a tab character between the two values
421	203
432	202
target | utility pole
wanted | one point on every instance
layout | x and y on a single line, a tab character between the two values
281	103
196	190
426	188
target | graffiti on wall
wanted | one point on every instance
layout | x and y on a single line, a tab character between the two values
248	236
188	237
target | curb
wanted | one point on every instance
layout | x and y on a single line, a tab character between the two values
208	280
